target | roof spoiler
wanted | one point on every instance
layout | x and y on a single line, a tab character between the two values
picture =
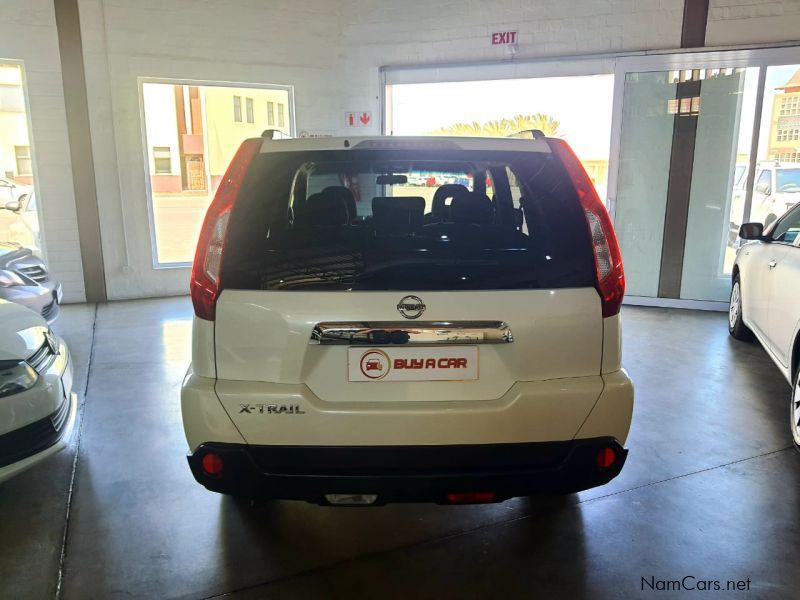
536	134
275	134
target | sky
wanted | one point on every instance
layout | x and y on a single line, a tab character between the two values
581	104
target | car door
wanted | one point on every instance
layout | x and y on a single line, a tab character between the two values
760	208
784	285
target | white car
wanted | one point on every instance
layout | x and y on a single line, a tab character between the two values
354	349
12	193
765	298
776	190
37	406
25	229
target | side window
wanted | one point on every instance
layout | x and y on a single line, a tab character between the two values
763	184
516	194
788	228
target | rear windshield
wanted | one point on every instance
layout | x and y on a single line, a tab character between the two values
407	220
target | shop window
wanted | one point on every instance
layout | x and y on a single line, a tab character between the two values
24	163
162	160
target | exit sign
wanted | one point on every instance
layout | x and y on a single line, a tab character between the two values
500	38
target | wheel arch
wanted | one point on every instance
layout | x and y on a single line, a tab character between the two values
795	358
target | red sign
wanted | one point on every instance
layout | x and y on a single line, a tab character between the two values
504	37
358	119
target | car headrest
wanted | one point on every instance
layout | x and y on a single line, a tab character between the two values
472	207
344	194
398	214
449	190
324	211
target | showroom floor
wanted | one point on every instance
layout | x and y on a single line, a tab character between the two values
711	490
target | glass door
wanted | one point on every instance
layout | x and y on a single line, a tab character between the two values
703	140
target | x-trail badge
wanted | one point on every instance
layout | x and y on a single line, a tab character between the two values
411	307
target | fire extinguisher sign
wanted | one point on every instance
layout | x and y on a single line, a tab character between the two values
358	119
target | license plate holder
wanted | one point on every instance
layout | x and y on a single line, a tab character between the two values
413	363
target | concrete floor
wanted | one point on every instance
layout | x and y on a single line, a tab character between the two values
711	490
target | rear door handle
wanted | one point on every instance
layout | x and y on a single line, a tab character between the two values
772	264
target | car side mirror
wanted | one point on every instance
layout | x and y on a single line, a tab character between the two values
13	205
751	231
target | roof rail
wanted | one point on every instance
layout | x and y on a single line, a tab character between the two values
536	134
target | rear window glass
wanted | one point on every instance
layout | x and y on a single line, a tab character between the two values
407	220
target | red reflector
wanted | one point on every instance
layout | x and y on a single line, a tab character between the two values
470	497
212	464
606	457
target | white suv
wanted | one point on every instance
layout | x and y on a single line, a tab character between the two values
362	340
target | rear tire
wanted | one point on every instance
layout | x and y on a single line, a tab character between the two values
794	409
736	326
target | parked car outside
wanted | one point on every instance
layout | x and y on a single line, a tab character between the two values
765	298
37	405
25	280
776	190
24	230
370	351
12	192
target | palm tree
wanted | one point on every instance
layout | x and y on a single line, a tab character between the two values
503	127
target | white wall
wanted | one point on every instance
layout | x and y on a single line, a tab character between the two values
28	34
331	52
251	41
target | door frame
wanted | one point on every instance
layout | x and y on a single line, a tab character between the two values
618	64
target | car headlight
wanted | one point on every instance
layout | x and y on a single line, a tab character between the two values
9	278
16	376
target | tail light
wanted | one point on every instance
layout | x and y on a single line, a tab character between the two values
607	256
204	285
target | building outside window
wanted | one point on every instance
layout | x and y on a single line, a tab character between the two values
281	117
249	107
24	164
237	109
270	113
162	160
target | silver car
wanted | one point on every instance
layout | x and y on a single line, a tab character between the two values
24	279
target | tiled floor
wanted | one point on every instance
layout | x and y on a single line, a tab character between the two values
711	490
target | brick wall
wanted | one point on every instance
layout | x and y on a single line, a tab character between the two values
28	34
732	22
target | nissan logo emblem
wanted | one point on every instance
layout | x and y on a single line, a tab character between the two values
411	307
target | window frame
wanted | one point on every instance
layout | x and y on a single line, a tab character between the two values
28	158
237	109
249	110
156	170
792	213
236	87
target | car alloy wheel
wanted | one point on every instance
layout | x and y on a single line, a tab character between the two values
733	310
794	409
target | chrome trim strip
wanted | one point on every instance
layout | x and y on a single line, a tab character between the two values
390	333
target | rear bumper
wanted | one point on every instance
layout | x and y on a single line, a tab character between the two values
407	473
